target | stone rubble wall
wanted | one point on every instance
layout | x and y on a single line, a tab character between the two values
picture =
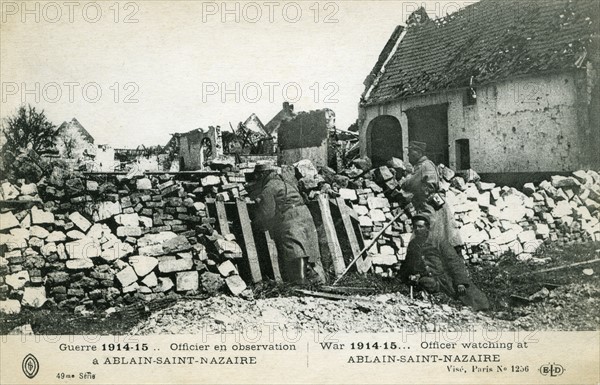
100	241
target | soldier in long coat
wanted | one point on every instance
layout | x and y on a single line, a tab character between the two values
423	183
436	267
282	211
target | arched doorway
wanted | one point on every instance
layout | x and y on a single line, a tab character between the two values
384	139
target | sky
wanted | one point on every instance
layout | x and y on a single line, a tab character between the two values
134	72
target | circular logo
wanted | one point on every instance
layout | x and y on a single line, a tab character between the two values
30	366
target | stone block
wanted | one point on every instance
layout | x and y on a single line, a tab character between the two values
128	219
564	181
56	236
143	184
377	203
383	174
150	280
28	189
143	265
365	221
86	247
10	307
38	232
186	280
34	297
526	236
210	180
581	176
18	280
9	191
39	217
108	209
384	259
446	173
131	288
348	194
305	169
377	215
164	284
8	221
79	264
58	277
175	265
127	276
176	244
227	268
225	246
562	209
235	284
212	283
129	231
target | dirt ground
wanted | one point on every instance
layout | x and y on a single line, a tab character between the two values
522	297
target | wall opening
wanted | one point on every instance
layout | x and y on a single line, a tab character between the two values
384	139
463	154
430	125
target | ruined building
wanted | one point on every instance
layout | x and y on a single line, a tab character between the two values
499	86
195	148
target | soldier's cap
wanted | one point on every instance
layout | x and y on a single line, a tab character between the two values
414	145
263	167
420	217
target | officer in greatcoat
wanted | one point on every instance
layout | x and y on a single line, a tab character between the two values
282	211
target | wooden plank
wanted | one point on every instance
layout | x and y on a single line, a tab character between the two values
335	249
348	290
242	210
222	217
273	256
333	297
363	264
366	262
561	267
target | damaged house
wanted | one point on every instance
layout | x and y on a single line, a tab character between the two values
499	86
195	148
73	141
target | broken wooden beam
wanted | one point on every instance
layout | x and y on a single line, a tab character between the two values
347	289
249	244
331	296
362	264
333	243
222	217
273	256
561	267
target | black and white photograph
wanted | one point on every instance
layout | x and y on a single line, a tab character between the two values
305	192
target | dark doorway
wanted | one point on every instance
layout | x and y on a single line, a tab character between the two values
463	154
384	139
430	125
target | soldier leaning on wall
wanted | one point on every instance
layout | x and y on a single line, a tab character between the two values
281	210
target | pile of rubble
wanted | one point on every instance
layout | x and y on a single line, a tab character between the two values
492	220
104	241
495	220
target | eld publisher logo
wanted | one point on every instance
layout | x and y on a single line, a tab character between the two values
552	370
30	366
